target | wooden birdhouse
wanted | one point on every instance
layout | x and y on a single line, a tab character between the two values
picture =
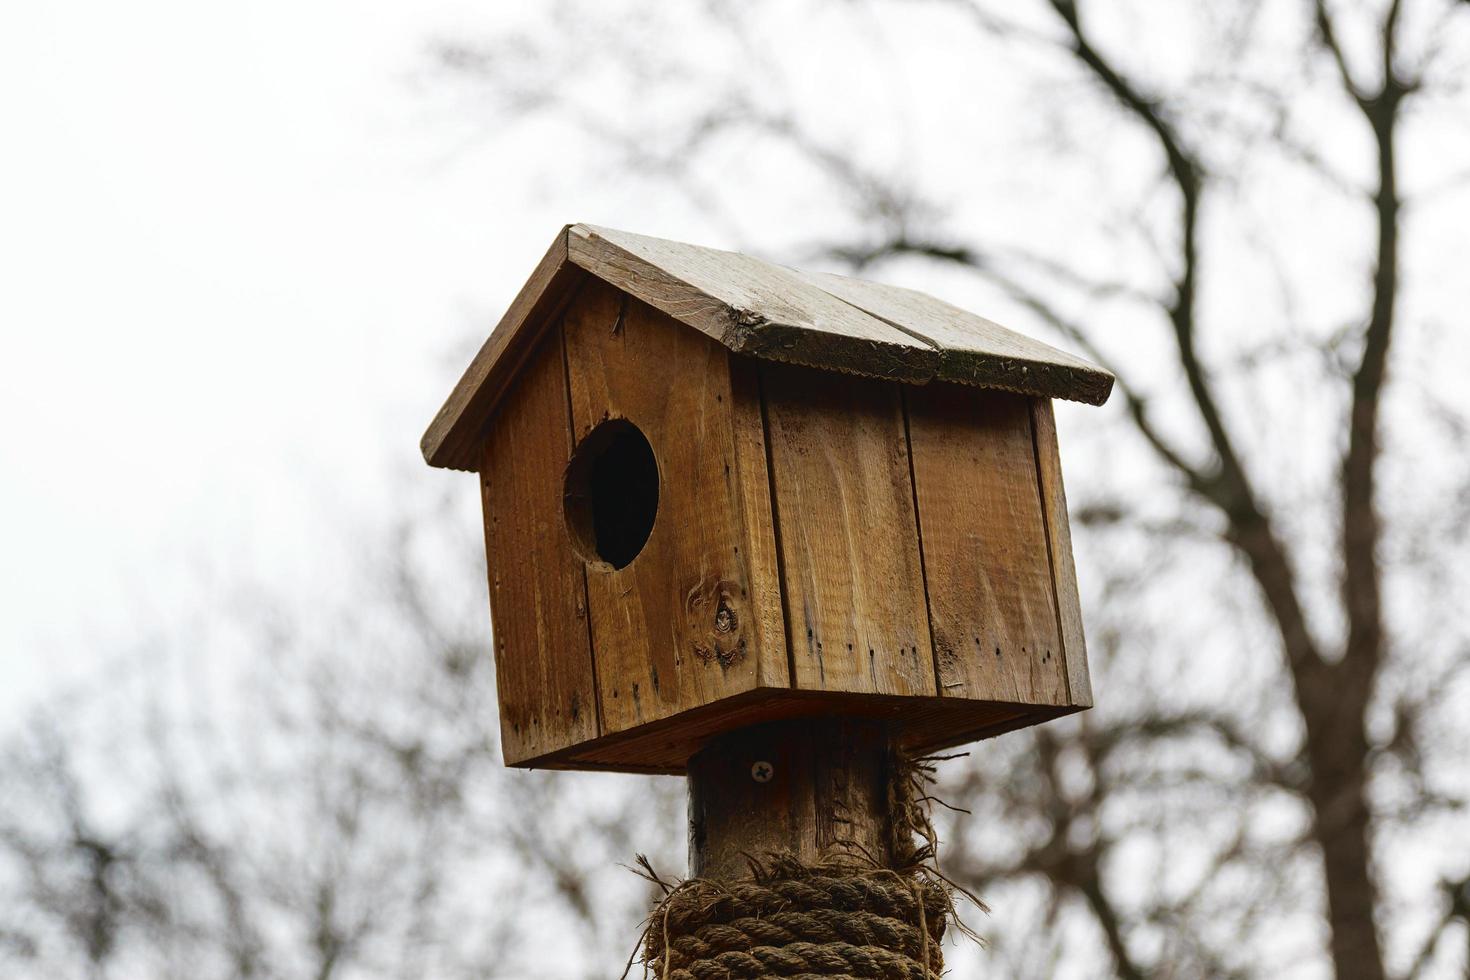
718	491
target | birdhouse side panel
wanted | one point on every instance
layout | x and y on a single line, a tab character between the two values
758	542
679	626
543	660
1059	536
846	530
988	568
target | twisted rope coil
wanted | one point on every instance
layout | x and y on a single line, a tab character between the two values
848	919
796	922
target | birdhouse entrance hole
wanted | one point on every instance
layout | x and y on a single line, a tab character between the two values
611	494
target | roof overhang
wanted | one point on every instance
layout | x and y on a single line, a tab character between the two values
760	309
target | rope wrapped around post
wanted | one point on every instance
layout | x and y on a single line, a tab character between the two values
878	909
788	920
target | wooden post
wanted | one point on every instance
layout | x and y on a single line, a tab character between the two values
816	788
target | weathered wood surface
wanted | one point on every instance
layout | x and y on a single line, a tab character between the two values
454	438
750	306
895	519
973	350
676	628
854	589
753	481
759	308
824	544
1064	570
816	789
992	611
544	670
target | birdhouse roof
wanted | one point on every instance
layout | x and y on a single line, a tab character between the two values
764	310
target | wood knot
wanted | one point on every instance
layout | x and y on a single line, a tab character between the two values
722	643
748	319
725	619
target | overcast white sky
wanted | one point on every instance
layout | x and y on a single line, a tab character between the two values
245	249
238	248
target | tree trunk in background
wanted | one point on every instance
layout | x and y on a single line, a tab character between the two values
1340	827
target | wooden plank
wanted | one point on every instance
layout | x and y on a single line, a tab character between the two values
543	663
919	724
453	439
988	573
674	629
1064	571
750	306
747	417
972	349
853	583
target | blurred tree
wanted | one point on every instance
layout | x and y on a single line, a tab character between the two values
1274	537
336	808
1250	212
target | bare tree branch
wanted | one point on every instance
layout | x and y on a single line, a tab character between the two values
1457	910
1228	487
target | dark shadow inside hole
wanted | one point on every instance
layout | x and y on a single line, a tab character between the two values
611	493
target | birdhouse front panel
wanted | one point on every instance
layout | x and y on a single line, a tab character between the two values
538	602
718	492
687	618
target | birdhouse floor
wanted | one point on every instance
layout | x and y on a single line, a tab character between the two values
920	725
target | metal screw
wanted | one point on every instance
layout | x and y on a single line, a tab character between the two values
762	772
